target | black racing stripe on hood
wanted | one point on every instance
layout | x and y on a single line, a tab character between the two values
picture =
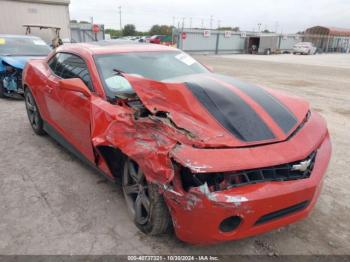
279	113
233	113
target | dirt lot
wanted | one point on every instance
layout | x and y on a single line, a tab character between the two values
51	203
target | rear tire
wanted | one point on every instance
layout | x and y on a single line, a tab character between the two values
145	204
33	113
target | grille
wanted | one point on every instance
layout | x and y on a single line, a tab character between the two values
282	212
291	171
221	181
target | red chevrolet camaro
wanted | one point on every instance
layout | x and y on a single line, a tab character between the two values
216	158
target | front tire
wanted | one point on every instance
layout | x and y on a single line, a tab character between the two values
145	204
33	113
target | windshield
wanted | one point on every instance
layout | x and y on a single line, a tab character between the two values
157	66
18	46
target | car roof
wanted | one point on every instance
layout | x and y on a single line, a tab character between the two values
114	46
19	36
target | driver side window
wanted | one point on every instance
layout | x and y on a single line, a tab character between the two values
68	66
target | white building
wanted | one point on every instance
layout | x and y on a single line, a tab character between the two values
16	13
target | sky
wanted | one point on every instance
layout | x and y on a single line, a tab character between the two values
287	16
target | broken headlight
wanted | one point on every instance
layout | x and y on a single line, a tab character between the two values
189	179
12	79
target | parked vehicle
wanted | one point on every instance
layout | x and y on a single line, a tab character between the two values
135	38
305	48
156	39
144	39
15	51
216	158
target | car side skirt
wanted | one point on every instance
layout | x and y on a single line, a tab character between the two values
52	132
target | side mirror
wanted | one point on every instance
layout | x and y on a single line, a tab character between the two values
76	85
210	68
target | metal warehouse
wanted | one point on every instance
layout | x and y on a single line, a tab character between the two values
16	13
329	39
326	39
221	42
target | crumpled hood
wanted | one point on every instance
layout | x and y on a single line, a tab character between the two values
220	111
18	61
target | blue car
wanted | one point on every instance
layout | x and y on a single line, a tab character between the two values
15	51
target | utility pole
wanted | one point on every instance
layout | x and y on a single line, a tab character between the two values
276	27
190	22
211	21
259	25
120	18
183	22
202	23
219	24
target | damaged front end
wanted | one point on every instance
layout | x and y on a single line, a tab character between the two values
11	81
217	187
209	207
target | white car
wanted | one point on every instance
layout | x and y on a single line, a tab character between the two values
305	48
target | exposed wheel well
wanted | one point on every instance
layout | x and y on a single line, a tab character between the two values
114	158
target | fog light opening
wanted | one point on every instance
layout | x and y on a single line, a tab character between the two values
229	224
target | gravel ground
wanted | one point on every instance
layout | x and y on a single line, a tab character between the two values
51	203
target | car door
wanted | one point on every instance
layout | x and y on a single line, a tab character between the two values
69	111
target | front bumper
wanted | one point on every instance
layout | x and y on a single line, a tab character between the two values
197	214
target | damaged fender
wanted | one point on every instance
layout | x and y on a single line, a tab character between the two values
140	139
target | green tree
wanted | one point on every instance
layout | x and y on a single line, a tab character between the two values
114	33
155	30
129	30
161	30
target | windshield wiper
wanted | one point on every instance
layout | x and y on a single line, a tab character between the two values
118	72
